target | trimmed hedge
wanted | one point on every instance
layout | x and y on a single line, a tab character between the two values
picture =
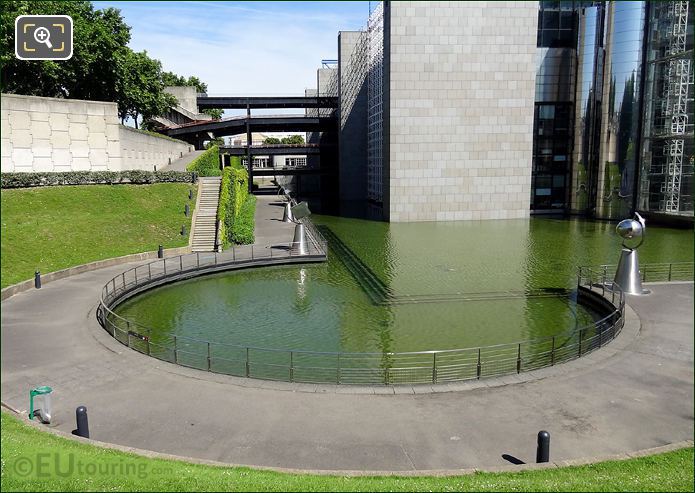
207	164
223	207
244	223
236	208
137	177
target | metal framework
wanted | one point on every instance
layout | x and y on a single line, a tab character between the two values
375	111
678	78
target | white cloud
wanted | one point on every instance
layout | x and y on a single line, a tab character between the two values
241	47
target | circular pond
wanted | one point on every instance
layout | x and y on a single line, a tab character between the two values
403	287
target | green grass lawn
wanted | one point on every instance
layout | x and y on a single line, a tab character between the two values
36	461
52	228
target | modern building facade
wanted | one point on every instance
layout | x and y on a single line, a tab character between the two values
479	110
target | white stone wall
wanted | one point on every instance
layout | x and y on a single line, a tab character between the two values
53	134
142	151
460	131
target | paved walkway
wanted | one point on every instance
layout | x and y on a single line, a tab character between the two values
181	163
633	394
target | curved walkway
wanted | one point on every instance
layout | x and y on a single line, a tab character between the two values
636	393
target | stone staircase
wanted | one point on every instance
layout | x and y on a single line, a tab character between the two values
203	234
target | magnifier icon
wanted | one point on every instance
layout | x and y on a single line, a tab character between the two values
43	35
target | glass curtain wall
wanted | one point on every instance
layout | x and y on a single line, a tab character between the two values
589	97
620	119
554	109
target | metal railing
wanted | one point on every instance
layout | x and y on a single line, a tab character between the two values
386	368
657	272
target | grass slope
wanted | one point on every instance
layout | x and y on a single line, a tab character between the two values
29	463
53	228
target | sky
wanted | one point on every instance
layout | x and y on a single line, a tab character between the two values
242	48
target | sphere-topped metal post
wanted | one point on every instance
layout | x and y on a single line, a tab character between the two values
627	275
300	245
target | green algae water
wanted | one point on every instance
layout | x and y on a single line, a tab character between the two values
404	287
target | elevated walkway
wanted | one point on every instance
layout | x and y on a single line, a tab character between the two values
266	102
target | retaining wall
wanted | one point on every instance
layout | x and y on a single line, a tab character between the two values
54	134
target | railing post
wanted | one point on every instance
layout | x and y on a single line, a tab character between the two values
127	328
251	252
176	356
291	366
434	367
337	373
603	281
215	258
670	268
180	263
209	356
234	254
123	279
552	353
518	359
149	349
149	271
136	276
581	334
644	274
247	363
386	375
479	367
165	266
197	260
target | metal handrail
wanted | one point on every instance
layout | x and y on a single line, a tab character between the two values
429	366
659	272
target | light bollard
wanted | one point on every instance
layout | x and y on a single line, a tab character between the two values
543	447
82	422
37	279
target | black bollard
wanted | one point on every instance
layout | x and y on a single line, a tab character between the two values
186	210
160	252
183	230
543	450
194	177
37	279
82	422
190	194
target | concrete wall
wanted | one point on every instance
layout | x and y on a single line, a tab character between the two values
186	95
352	136
53	134
460	109
142	151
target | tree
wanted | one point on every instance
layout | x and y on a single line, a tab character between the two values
217	141
293	139
100	40
140	88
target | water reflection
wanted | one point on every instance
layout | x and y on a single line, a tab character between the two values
424	272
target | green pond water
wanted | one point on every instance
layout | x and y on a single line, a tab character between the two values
407	290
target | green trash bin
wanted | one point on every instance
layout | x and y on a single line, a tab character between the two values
40	403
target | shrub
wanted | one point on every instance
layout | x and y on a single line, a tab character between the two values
236	208
244	224
27	180
224	206
207	164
